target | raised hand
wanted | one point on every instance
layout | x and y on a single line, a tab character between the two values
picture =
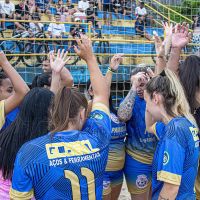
181	36
84	49
57	63
159	44
3	59
137	79
115	61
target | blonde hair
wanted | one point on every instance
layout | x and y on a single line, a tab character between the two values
174	99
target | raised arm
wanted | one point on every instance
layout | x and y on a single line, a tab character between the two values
19	85
99	85
180	38
125	109
57	64
162	48
114	64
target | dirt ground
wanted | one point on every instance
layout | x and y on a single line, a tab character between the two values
124	195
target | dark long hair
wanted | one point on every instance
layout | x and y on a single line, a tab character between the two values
42	80
31	122
190	78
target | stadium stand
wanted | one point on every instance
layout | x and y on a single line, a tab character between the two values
119	38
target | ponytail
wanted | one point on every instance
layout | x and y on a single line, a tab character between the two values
174	99
65	107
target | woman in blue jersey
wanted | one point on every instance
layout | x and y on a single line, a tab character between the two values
69	162
175	163
113	177
140	145
188	72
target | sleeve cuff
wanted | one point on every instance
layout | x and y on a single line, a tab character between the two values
14	194
101	107
168	177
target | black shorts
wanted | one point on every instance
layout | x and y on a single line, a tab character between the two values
108	7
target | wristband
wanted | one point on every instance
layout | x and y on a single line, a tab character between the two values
111	70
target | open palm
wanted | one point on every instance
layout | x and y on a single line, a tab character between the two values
57	63
181	36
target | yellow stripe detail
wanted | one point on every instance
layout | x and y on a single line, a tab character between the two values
101	107
141	157
169	177
2	113
16	195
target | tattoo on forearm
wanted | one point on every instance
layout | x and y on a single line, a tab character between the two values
126	107
162	198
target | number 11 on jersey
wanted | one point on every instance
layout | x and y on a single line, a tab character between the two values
75	183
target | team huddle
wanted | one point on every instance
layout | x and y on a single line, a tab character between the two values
62	146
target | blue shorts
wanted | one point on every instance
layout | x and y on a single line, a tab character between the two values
138	175
111	179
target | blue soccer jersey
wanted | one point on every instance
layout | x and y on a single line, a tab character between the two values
66	166
116	156
140	144
176	158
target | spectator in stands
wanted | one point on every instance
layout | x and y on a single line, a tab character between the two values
107	7
43	6
140	27
91	17
31	6
56	30
22	27
7	11
129	8
196	34
83	5
141	10
62	10
21	8
118	7
76	29
36	27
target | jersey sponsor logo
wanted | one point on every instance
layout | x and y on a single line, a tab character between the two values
194	132
97	116
68	149
142	181
106	185
165	158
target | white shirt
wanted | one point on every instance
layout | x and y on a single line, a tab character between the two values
7	8
83	5
139	11
35	28
56	29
